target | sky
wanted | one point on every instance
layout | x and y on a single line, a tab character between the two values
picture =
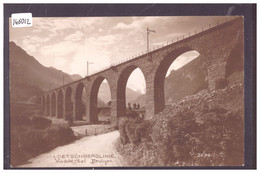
68	43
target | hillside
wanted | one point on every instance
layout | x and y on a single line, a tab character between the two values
205	129
28	77
192	77
187	80
104	93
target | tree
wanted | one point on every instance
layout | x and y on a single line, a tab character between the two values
138	106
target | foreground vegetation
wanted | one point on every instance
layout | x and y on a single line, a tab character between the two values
31	135
199	131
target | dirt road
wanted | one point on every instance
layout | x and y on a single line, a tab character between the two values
93	151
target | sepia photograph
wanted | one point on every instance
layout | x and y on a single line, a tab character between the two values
126	91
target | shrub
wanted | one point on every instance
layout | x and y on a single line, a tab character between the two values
214	137
224	136
209	136
32	141
17	154
132	114
69	118
59	135
40	122
135	141
144	129
132	130
122	130
27	142
171	136
20	120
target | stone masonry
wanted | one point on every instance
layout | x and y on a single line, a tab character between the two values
214	46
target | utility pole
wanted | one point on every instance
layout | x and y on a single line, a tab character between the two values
88	67
50	86
148	31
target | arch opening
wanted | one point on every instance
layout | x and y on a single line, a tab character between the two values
43	101
131	92
68	111
48	105
60	104
179	71
104	103
53	105
80	102
94	99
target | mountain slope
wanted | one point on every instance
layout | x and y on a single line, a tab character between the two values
104	93
28	77
192	78
187	80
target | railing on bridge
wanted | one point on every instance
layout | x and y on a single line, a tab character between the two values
179	38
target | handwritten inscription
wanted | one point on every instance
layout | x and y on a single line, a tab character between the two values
21	20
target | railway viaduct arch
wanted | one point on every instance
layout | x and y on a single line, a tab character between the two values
214	45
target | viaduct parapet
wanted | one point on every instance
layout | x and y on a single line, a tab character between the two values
214	45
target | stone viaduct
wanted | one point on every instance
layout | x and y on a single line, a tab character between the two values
214	45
